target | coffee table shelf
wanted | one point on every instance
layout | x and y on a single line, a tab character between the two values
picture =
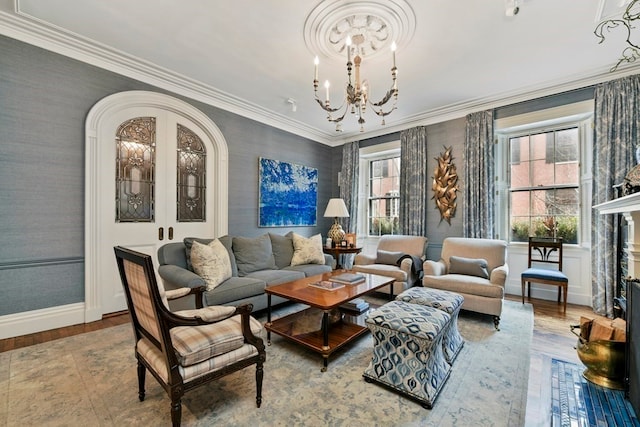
305	328
323	327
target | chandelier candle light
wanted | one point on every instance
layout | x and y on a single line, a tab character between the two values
357	93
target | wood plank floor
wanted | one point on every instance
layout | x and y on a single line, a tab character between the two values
552	337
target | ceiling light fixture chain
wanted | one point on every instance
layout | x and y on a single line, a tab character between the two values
631	52
358	90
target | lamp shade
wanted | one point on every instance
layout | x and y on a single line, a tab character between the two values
336	209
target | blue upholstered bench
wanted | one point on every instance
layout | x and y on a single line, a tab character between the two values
407	350
449	302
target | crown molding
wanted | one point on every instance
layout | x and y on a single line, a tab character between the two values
456	111
58	40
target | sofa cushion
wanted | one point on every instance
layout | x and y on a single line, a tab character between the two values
211	262
282	247
469	266
394	271
226	242
307	250
274	277
463	284
388	257
235	289
310	269
253	254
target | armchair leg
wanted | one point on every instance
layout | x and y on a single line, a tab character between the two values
176	412
141	376
259	375
496	322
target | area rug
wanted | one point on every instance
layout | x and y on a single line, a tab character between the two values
90	379
578	402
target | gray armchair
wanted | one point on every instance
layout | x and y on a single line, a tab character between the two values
392	248
474	268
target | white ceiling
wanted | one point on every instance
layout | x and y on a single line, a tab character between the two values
250	56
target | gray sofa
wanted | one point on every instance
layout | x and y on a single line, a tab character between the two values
262	261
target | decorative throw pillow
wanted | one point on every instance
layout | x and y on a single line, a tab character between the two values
282	249
307	250
388	257
188	243
225	240
469	266
211	262
253	254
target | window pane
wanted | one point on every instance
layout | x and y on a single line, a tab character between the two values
565	201
542	173
567	173
538	149
520	175
191	191
135	168
519	227
567	145
519	148
539	205
520	203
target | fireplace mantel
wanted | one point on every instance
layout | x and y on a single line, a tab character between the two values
629	206
626	204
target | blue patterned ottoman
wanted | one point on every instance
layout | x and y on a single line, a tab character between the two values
407	350
442	300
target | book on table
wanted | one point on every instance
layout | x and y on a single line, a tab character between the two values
327	285
348	278
358	305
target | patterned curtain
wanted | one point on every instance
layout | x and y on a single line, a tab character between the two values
616	137
413	181
479	169
349	184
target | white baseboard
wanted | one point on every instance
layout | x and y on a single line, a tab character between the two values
550	293
29	322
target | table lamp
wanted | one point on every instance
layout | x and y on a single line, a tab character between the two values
336	209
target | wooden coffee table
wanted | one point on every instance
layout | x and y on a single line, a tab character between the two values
323	327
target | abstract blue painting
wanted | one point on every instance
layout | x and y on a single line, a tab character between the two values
288	194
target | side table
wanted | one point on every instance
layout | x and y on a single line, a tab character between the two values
340	250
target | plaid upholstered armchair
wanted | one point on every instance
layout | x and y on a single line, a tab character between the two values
189	348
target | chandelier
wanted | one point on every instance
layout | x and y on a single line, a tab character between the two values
357	92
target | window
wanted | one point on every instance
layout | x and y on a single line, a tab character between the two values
383	195
544	188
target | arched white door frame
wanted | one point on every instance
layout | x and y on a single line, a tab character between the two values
98	115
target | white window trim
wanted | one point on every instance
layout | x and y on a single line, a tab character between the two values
373	152
579	114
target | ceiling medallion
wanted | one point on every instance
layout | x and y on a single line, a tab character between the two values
380	22
358	31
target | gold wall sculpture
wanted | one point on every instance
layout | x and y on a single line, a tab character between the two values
445	185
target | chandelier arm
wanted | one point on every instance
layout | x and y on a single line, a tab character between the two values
325	108
338	119
381	113
386	98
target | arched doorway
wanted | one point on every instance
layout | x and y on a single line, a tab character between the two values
143	184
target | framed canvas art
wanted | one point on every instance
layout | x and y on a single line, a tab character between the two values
288	194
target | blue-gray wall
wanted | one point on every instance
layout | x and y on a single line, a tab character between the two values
44	100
